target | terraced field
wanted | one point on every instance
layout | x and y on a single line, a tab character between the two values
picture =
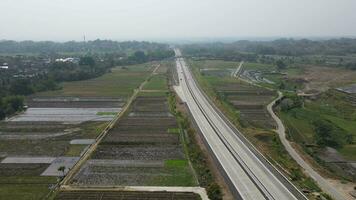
250	101
139	150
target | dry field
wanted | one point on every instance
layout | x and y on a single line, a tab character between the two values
322	78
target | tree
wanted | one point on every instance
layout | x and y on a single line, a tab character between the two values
349	138
139	56
323	131
214	192
282	86
2	110
21	87
62	169
280	65
327	134
87	60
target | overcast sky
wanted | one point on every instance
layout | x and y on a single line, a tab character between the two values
63	20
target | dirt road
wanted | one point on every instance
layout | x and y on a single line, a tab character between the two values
322	182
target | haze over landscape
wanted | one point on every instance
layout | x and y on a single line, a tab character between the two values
63	20
178	99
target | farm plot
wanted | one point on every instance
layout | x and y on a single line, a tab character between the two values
250	101
59	132
68	115
118	195
119	83
23	181
157	82
74	102
139	150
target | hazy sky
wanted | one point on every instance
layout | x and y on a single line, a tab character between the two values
169	19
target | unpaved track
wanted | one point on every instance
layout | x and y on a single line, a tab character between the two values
237	72
322	182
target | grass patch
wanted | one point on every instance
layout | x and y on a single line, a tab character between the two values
121	82
157	82
175	163
348	151
259	66
106	113
75	149
174	130
152	93
21	188
179	174
91	130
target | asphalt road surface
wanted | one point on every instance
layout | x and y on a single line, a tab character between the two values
246	171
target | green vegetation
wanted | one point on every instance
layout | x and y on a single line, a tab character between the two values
25	187
157	82
75	149
326	121
180	174
106	113
174	130
10	105
152	93
119	83
280	47
90	130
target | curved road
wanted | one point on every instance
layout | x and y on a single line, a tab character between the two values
323	183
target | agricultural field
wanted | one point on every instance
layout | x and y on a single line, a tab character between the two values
249	101
157	82
118	195
119	83
57	127
142	149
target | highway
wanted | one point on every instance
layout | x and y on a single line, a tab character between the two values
249	174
